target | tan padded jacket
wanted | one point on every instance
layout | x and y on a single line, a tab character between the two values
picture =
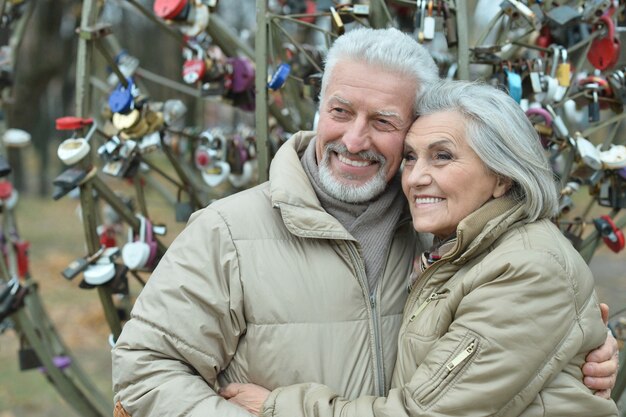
500	326
263	286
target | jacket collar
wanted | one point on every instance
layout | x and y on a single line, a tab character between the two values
292	192
483	227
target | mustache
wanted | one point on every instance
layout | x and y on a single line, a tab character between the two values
340	148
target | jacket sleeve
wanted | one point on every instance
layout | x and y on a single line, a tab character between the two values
184	327
516	327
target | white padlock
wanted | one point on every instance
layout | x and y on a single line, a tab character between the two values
70	151
136	253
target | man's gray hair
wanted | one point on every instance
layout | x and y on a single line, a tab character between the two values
386	49
499	131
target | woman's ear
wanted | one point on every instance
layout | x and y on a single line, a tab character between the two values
503	185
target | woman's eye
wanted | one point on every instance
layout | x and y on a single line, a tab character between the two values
408	157
443	156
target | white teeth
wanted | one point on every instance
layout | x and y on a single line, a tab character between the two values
428	200
352	162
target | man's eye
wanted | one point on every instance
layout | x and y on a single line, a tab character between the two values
384	124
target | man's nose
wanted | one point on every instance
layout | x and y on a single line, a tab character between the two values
357	136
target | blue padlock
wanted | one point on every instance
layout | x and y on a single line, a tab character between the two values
279	77
515	84
121	99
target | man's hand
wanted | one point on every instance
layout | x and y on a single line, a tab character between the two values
600	370
249	396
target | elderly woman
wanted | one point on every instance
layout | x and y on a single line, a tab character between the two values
502	309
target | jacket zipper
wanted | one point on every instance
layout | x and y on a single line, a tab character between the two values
431	297
458	359
378	360
430	391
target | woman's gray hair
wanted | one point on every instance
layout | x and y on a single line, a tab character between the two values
387	49
499	131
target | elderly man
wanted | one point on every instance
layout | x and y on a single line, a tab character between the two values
304	277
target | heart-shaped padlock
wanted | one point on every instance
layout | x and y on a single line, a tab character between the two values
103	270
170	9
604	52
126	121
70	151
136	252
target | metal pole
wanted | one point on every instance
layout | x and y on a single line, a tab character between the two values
262	130
463	45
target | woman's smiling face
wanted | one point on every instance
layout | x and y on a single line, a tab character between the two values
443	178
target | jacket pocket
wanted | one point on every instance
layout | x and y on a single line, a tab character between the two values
448	372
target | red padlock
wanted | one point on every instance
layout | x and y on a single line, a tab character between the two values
169	9
612	236
194	70
6	189
604	52
544	39
21	252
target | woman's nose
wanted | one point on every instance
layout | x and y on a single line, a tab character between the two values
418	175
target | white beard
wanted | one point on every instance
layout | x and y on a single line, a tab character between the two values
346	192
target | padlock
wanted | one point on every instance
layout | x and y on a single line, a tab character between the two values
16	138
218	170
102	270
79	265
6	189
67	181
27	358
514	83
604	52
122	99
12	296
137	252
106	235
21	253
194	70
544	129
560	129
71	151
429	23
617	81
614	158
563	70
279	77
171	9
336	22
242	74
612	236
196	21
612	192
589	154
